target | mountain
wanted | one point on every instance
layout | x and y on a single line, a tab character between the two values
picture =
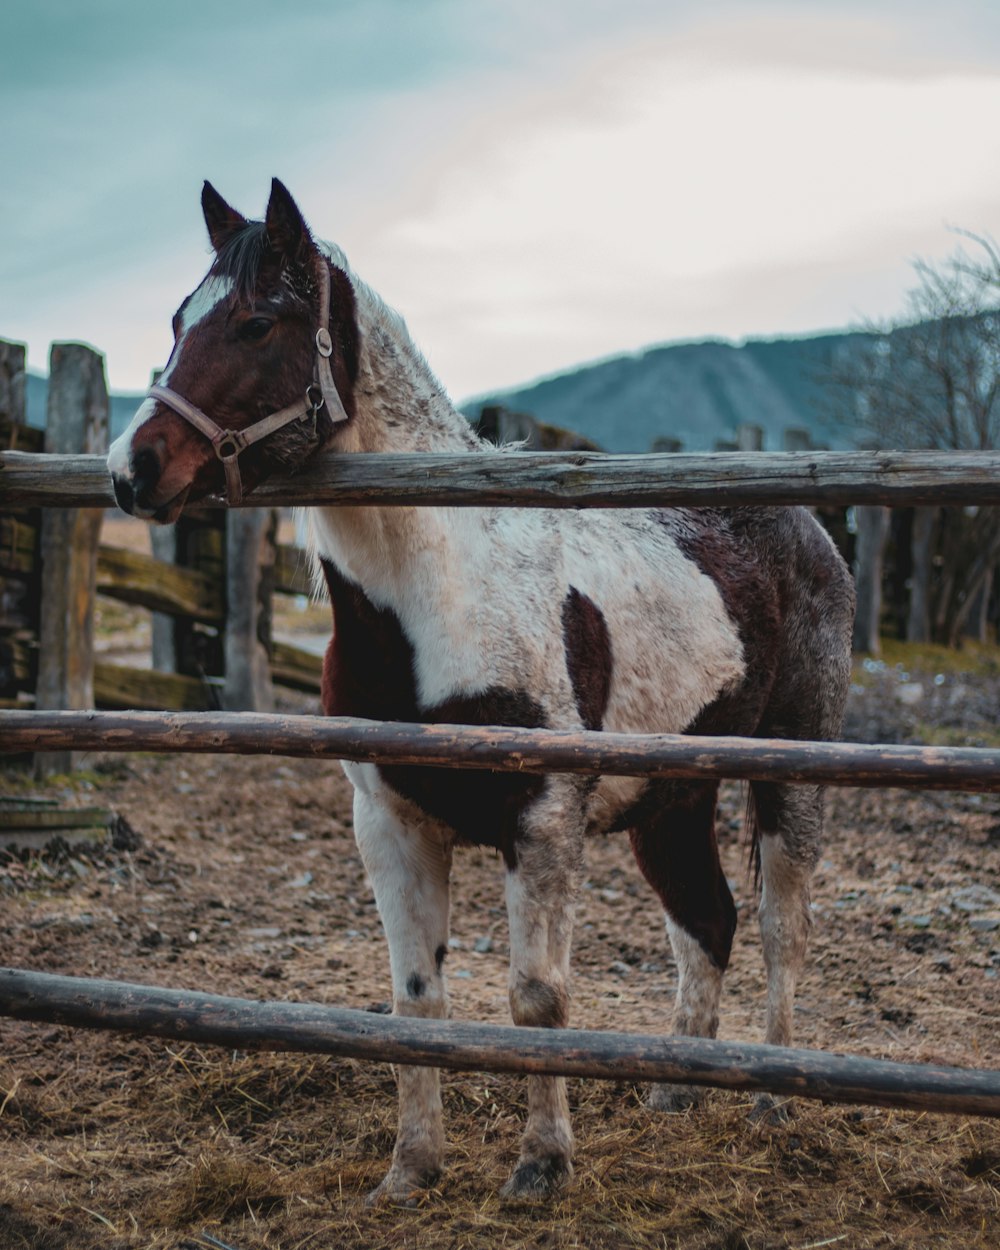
697	394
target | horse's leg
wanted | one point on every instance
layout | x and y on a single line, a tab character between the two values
409	869
541	902
674	845
789	823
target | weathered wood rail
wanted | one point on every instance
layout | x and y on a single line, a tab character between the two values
564	479
238	1023
506	749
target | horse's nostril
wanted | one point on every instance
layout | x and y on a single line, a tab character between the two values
145	469
123	493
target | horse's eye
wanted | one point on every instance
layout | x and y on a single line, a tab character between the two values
255	329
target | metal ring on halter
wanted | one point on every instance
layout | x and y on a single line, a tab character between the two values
314	398
229	445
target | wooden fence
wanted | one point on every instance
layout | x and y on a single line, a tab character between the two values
210	582
549	480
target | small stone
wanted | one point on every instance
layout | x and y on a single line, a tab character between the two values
619	968
464	973
975	898
483	945
984	924
910	693
916	922
300	883
455	944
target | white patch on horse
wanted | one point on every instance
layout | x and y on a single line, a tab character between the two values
121	448
207	297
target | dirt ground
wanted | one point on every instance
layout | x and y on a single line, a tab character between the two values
239	876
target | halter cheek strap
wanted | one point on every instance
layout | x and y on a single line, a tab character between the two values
228	444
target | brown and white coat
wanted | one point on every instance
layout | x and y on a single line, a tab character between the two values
711	620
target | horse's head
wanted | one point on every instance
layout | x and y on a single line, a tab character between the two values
262	370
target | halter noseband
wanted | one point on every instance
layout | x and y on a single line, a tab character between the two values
228	444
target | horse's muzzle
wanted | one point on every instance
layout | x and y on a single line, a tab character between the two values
124	494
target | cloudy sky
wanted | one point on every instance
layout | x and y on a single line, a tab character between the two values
532	183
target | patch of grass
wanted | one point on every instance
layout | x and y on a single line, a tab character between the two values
974	658
956	736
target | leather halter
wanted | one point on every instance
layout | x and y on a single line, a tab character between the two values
228	444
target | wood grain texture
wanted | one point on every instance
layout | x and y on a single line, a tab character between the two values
76	421
134	577
505	749
564	479
241	1024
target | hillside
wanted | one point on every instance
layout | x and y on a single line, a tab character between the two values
697	393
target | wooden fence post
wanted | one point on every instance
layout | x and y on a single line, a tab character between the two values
12	382
77	421
250	554
163	540
873	530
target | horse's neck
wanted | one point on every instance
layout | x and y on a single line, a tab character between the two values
400	406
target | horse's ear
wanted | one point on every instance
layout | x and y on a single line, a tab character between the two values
287	231
221	220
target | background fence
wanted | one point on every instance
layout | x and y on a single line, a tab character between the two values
210	581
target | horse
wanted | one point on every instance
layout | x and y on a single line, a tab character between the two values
671	620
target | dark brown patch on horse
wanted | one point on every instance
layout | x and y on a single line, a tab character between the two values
672	833
368	671
415	985
721	545
439	956
587	644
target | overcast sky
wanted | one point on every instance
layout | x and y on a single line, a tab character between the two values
532	183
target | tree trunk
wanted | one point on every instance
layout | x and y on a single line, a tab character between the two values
977	616
918	623
873	530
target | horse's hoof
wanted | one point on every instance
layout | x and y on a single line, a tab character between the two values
537	1178
402	1187
771	1111
674	1098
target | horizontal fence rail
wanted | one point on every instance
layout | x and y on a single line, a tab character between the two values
243	1024
505	749
567	479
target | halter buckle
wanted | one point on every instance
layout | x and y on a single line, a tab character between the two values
324	344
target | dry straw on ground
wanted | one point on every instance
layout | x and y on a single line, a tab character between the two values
246	881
